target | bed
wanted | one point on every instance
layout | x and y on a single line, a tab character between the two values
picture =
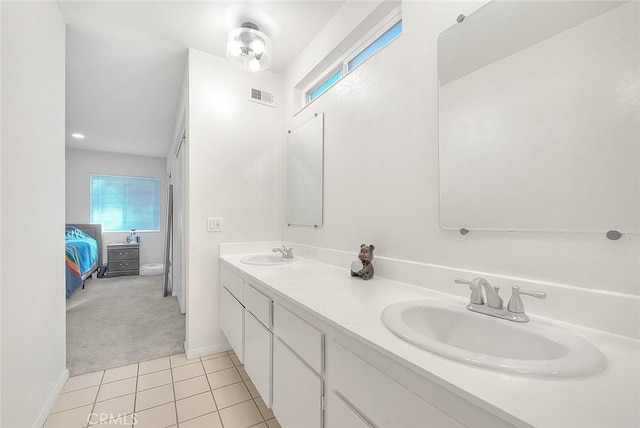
83	254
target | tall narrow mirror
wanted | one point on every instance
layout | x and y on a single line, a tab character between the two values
304	173
540	117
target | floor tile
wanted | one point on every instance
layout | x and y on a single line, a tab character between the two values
74	418
154	366
264	410
113	408
211	420
154	397
74	399
217	364
231	394
116	389
195	406
213	391
241	415
181	360
252	389
82	381
216	355
187	371
157	417
243	373
273	423
189	387
223	378
117	421
153	380
120	373
234	359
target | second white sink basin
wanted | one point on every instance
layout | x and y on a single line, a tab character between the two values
267	259
534	348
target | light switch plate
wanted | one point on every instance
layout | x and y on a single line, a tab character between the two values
214	224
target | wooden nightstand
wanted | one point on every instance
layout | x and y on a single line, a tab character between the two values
123	258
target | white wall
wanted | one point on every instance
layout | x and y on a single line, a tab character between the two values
80	164
381	172
0	218
33	275
234	172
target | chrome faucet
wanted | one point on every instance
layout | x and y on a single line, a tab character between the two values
493	293
287	253
494	306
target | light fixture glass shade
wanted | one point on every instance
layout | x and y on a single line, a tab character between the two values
249	48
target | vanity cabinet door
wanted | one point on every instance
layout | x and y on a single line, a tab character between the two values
257	355
233	322
297	390
340	415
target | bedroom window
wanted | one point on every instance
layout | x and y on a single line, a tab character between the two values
125	203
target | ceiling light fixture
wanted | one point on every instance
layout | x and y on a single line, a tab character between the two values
248	47
78	136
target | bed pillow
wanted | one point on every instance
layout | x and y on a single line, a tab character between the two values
74	232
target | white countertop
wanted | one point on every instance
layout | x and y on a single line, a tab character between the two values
354	306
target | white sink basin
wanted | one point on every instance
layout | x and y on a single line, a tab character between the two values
535	348
267	259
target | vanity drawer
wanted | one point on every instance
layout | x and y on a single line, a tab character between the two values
258	304
382	400
304	339
234	284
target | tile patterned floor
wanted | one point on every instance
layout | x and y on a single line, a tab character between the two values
212	391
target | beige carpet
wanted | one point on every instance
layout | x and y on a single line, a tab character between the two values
118	321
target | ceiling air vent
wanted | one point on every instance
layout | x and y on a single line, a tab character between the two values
261	97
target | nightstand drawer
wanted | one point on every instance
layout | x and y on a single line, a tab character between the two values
123	254
113	274
122	265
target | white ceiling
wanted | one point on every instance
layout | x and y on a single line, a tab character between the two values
125	60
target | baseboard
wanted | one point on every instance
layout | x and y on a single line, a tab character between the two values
51	401
207	350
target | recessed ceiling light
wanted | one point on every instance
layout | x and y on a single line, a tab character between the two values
78	136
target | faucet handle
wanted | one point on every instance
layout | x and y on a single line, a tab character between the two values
515	303
476	290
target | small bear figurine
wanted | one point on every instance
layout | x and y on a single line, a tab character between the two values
363	268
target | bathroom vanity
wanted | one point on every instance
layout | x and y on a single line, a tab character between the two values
312	340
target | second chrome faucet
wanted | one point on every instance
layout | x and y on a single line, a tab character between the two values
287	253
494	305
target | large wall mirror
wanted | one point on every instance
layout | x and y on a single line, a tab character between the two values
304	173
540	117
